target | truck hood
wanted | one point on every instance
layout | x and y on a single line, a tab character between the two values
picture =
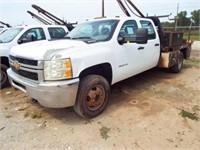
6	46
5	49
44	50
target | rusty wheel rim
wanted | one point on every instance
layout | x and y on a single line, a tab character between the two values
95	98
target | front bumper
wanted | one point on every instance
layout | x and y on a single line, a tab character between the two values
57	94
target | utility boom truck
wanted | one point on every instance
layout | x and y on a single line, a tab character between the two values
21	35
79	70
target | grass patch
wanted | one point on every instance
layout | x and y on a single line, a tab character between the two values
104	132
189	115
8	116
192	37
36	115
192	62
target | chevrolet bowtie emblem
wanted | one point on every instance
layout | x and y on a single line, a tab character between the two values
16	65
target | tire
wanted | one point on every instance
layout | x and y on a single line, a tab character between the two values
92	97
3	77
177	67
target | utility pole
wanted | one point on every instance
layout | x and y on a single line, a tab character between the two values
176	18
103	8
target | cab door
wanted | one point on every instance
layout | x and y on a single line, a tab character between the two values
129	56
151	50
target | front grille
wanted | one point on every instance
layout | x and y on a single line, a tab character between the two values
26	74
24	61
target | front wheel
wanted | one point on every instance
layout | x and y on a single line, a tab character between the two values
92	97
177	67
4	76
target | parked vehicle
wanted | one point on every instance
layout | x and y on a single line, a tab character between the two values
78	71
24	34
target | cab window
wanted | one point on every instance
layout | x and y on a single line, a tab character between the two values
151	32
128	29
56	33
34	34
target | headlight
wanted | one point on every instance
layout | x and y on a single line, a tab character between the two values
57	69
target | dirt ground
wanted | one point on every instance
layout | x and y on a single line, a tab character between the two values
155	110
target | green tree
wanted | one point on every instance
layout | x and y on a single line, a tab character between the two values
167	24
195	17
183	20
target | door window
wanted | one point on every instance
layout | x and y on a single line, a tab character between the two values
34	34
57	33
148	25
128	29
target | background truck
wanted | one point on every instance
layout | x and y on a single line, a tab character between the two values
79	70
24	34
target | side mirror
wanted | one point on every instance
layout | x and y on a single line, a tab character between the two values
120	40
141	36
29	38
20	41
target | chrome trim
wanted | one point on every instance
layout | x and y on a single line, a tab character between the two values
49	94
34	69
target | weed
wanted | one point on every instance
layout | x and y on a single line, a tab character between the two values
36	115
8	116
192	62
189	115
89	121
104	132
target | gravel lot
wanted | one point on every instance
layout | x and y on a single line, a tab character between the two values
151	111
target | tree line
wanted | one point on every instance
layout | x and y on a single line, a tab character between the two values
183	20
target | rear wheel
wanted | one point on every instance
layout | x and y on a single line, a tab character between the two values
92	97
177	68
3	76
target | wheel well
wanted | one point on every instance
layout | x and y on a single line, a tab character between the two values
4	60
104	70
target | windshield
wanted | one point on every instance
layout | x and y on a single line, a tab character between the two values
94	31
9	35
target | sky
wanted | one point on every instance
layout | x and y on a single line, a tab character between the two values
14	12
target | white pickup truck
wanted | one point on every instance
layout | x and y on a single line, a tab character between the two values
79	70
24	34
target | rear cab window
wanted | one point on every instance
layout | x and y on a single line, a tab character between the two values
56	32
151	32
128	28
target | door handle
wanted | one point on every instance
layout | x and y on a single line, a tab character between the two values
157	44
140	48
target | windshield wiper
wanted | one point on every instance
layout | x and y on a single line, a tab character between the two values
82	37
67	37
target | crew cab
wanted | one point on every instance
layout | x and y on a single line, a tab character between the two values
24	34
79	70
